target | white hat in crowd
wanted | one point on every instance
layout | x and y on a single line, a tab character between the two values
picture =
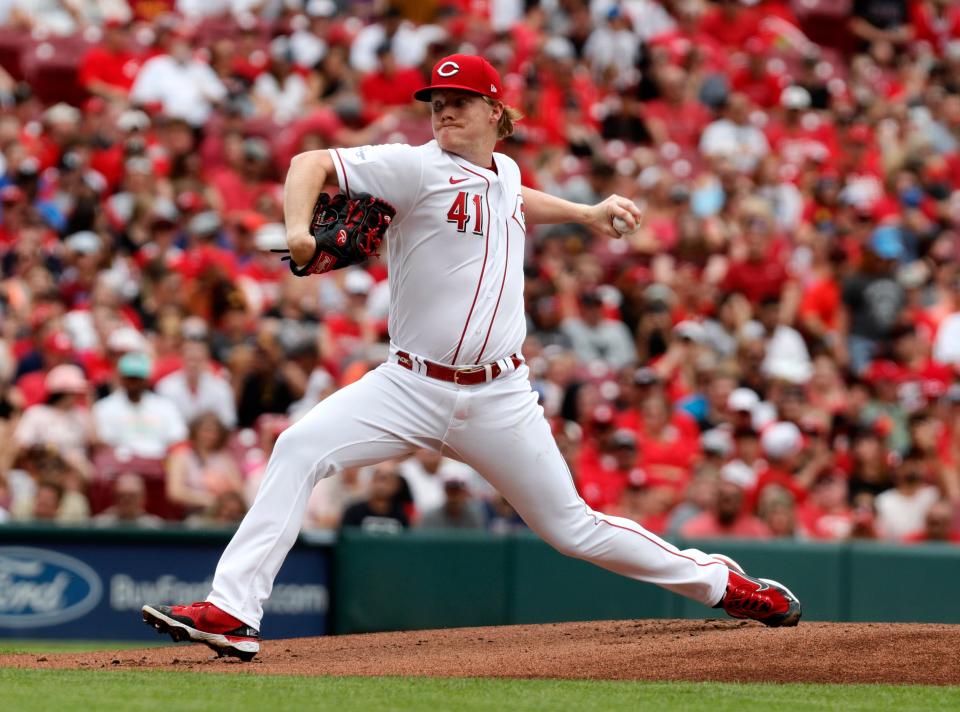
718	441
781	440
271	236
85	242
795	97
742	400
127	339
739	473
358	281
787	357
691	330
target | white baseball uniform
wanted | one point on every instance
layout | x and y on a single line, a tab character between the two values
455	254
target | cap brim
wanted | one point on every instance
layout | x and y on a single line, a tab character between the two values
424	94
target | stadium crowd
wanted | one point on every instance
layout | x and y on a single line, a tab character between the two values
774	353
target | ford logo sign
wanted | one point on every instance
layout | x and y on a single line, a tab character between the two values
44	588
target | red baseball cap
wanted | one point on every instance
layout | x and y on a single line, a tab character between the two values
467	72
59	343
859	133
883	371
12	194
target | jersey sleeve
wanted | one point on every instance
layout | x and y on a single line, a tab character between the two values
392	171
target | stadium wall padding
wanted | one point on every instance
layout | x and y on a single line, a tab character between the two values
432	579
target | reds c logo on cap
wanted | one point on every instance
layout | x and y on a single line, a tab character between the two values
448	69
466	72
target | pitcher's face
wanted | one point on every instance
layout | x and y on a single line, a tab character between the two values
462	119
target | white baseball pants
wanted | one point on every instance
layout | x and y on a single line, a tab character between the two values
496	427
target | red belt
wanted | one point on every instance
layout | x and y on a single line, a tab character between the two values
464	376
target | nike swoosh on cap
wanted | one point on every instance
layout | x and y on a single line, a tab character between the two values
455	181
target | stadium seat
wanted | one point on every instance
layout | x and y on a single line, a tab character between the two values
825	22
107	466
13	43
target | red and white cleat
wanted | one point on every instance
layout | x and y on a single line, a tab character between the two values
764	600
204	623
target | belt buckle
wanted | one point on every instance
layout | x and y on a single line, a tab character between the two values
465	371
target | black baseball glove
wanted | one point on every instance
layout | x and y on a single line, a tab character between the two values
347	231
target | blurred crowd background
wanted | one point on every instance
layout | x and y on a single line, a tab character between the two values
774	353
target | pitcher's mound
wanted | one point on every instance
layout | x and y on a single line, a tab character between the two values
721	650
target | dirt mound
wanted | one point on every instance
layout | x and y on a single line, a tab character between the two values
722	650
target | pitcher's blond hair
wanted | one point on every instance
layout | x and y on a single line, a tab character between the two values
507	120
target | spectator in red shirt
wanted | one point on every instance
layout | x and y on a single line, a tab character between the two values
760	273
728	518
799	135
135	138
390	85
822	208
602	479
782	444
731	23
16	211
826	513
701	496
61	129
935	23
650	507
821	291
777	509
939	526
597	426
755	79
346	333
912	354
676	116
667	454
241	185
687	42
862	163
109	68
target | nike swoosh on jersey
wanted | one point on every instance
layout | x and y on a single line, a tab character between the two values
455	181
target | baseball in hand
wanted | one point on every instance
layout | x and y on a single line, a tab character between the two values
620	225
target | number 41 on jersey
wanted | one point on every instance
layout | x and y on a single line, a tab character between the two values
459	212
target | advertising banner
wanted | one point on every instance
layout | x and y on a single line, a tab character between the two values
91	585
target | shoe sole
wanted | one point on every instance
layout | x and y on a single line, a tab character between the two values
220	644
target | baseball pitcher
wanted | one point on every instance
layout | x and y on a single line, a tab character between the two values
452	217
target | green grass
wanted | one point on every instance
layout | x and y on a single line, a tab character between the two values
29	690
72	646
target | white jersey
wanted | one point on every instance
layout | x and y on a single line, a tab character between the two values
455	249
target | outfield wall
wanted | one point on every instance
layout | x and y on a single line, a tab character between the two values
88	583
430	579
